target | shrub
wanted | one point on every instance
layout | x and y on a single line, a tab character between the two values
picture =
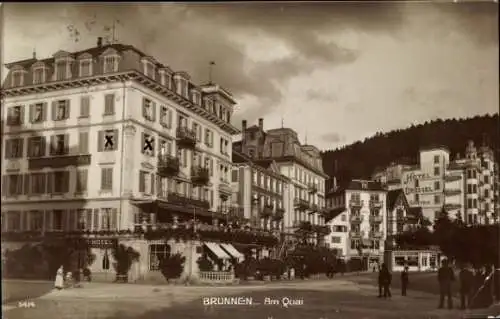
172	266
246	269
205	264
124	258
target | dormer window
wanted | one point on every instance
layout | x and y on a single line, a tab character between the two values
39	75
196	97
149	69
85	68
17	78
110	64
182	87
62	70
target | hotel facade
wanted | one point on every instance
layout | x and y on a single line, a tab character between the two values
110	140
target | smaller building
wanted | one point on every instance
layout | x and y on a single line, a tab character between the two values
416	260
358	221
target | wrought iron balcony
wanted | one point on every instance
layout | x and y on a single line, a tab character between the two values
183	200
267	211
452	178
313	188
59	161
356	219
301	204
314	208
376	219
186	138
376	234
168	165
355	203
452	191
279	214
356	233
200	175
375	203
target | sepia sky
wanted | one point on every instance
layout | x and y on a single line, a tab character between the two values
338	71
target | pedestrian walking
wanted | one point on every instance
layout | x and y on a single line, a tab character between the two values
466	278
385	279
59	282
404	280
445	279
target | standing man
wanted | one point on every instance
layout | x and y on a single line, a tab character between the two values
404	281
445	279
466	278
384	278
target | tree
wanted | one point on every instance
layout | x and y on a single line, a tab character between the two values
205	264
124	258
171	266
444	231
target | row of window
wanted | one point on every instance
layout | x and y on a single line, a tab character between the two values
61	220
356	197
110	64
262	200
356	243
57	182
264	181
300	216
303	176
373	228
437	198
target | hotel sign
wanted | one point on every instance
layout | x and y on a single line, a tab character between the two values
413	176
102	243
418	190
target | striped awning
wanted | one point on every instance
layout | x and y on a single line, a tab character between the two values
217	250
232	251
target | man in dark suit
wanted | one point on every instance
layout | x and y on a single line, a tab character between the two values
445	278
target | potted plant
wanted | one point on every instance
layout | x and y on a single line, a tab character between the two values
172	266
124	258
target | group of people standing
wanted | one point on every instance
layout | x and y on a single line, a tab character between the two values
68	280
476	286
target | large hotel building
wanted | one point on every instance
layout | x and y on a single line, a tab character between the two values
108	139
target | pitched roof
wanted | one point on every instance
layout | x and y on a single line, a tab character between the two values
365	185
392	198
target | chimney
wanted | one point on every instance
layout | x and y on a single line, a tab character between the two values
261	124
243	126
99	42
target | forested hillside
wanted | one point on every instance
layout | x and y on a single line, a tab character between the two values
359	160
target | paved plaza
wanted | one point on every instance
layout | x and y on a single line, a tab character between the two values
337	298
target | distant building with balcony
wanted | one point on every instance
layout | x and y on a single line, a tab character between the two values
358	221
108	139
302	164
260	192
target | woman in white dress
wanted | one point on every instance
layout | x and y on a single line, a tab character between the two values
59	283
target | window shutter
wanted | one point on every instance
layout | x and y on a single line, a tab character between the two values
114	219
154	112
144	113
5	185
115	139
44	111
83	145
88	218
54	106
211	139
95	225
70	220
143	140
142	182
84	106
66	143
100	141
8	149
43	146
19	188
52	145
66	182
50	183
153	182
21	147
26	182
32	106
68	108
169	118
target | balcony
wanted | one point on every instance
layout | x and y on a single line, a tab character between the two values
225	188
59	161
356	233
376	234
279	214
200	175
452	178
452	206
313	188
452	191
355	203
375	203
183	200
267	211
356	219
186	138
301	204
376	219
168	165
314	208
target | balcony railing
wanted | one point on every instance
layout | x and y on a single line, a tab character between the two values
376	234
314	208
356	233
355	203
356	219
216	276
200	175
452	178
267	211
376	219
183	200
301	204
452	191
313	188
186	138
375	203
279	214
225	188
59	161
168	165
